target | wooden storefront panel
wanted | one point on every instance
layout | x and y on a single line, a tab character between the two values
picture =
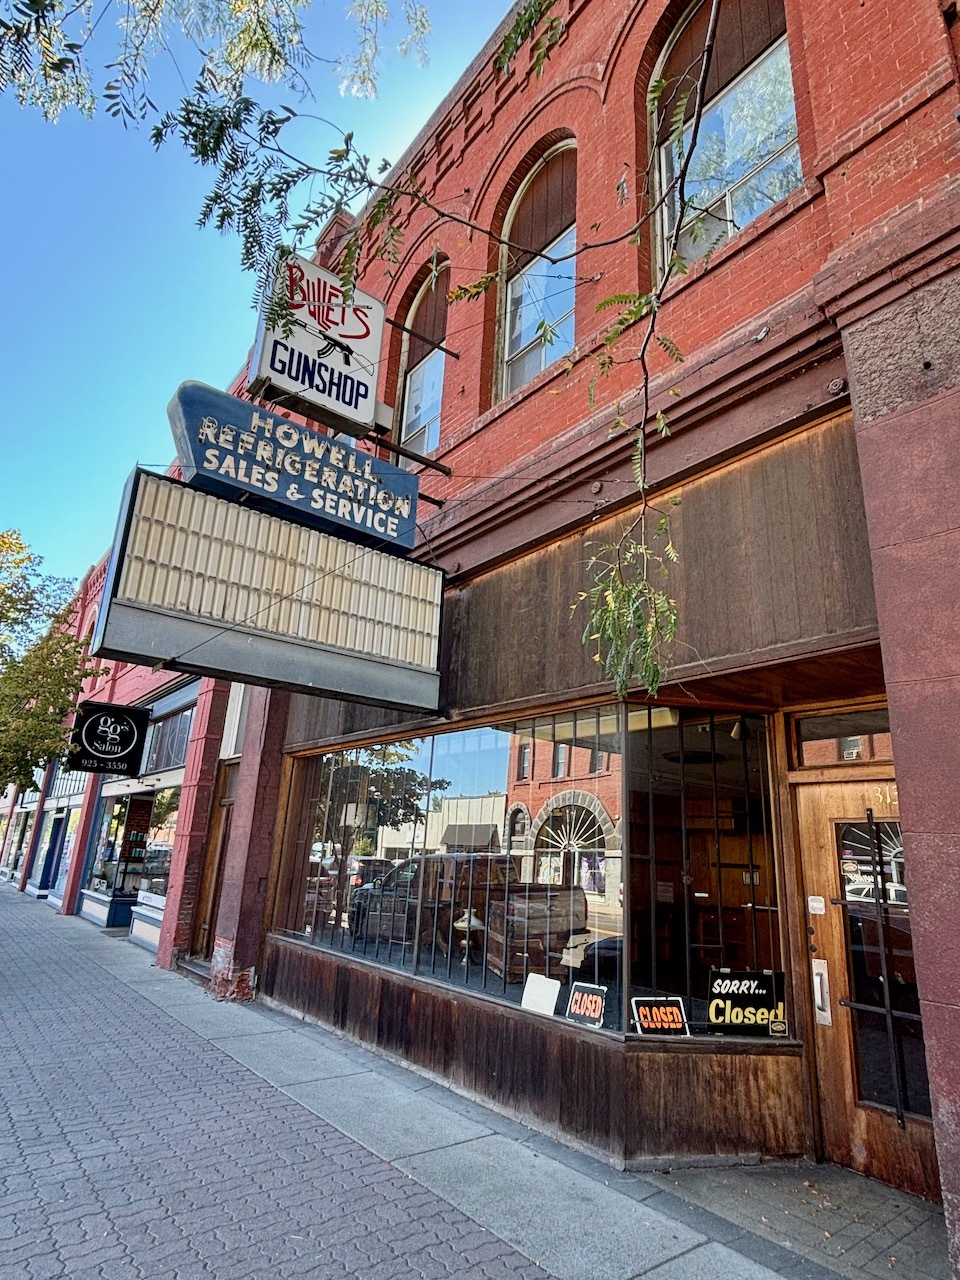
636	1103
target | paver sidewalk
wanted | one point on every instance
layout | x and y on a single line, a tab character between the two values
147	1131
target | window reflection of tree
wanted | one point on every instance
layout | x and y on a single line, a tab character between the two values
745	159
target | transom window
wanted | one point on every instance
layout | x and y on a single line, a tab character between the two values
746	157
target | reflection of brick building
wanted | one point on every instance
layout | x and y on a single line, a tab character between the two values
563	809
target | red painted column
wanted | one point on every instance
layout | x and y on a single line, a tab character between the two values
239	925
193	822
905	379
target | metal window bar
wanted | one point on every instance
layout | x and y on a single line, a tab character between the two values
751	861
685	869
879	915
427	802
652	853
715	791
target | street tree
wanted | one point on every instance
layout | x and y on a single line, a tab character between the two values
42	663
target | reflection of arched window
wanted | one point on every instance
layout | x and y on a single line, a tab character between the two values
746	157
518	825
423	379
570	848
539	295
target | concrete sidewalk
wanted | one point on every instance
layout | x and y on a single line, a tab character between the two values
149	1132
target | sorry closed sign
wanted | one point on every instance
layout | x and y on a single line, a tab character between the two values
746	1004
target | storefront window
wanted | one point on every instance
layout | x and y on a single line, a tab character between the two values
702	883
62	870
135	844
18	841
155	871
49	827
463	858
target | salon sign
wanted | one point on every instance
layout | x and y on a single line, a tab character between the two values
325	367
107	738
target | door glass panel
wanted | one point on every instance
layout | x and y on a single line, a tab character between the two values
885	1008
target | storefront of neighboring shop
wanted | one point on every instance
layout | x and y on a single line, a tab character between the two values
125	883
58	821
19	834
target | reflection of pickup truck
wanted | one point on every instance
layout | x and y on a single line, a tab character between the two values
461	896
527	932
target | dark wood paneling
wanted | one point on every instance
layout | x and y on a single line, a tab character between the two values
774	567
630	1100
773	554
314	719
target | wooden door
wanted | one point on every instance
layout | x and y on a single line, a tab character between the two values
211	875
871	1071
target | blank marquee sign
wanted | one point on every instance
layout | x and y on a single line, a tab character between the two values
201	584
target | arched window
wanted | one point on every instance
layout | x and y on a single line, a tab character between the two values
539	294
746	156
423	379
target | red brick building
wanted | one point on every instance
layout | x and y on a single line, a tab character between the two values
790	787
785	809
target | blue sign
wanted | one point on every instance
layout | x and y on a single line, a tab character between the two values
228	446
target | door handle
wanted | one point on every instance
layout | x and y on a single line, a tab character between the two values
821	993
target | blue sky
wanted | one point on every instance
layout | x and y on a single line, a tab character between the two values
113	297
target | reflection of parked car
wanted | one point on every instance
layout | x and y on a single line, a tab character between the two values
366	869
459	897
602	961
864	891
439	887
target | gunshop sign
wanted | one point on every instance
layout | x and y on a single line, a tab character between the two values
108	739
325	367
229	446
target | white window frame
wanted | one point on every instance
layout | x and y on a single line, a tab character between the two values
426	437
722	218
550	352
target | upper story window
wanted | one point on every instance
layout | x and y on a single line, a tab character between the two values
169	739
539	295
746	157
423	381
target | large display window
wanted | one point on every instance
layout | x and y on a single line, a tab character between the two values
17	842
493	859
135	844
703	915
482	858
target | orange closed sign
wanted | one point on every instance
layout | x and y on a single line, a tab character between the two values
586	1004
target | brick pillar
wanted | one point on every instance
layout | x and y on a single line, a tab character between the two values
904	365
238	929
193	822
